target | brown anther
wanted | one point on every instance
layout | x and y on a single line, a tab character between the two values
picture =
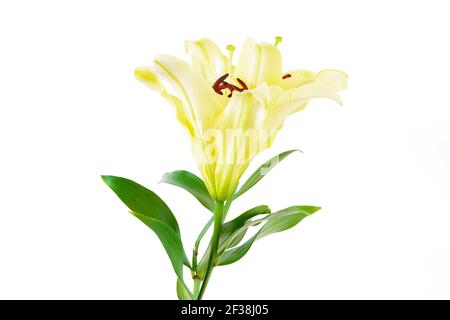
220	87
287	75
242	83
220	84
232	88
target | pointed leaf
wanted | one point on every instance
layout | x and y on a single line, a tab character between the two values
139	199
262	171
191	183
286	219
146	203
170	240
232	233
235	229
276	222
233	255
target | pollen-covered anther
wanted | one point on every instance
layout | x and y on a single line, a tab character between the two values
242	83
220	84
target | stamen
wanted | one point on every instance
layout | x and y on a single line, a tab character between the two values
220	84
232	87
278	40
242	83
230	49
287	75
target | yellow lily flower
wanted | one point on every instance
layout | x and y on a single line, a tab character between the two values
233	112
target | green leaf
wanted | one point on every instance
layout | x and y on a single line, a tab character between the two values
233	255
262	171
153	211
234	231
191	183
170	240
276	222
182	291
139	199
286	219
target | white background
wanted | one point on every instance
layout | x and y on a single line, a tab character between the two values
71	110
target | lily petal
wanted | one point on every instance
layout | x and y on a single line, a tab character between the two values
259	62
244	111
239	125
296	100
151	79
334	79
314	90
270	96
197	95
297	78
241	139
207	58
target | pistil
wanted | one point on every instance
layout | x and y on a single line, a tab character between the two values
278	40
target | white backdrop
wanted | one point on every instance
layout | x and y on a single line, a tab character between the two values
71	110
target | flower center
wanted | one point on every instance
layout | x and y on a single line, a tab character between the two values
220	84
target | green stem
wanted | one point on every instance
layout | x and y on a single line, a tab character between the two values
226	208
218	212
197	285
